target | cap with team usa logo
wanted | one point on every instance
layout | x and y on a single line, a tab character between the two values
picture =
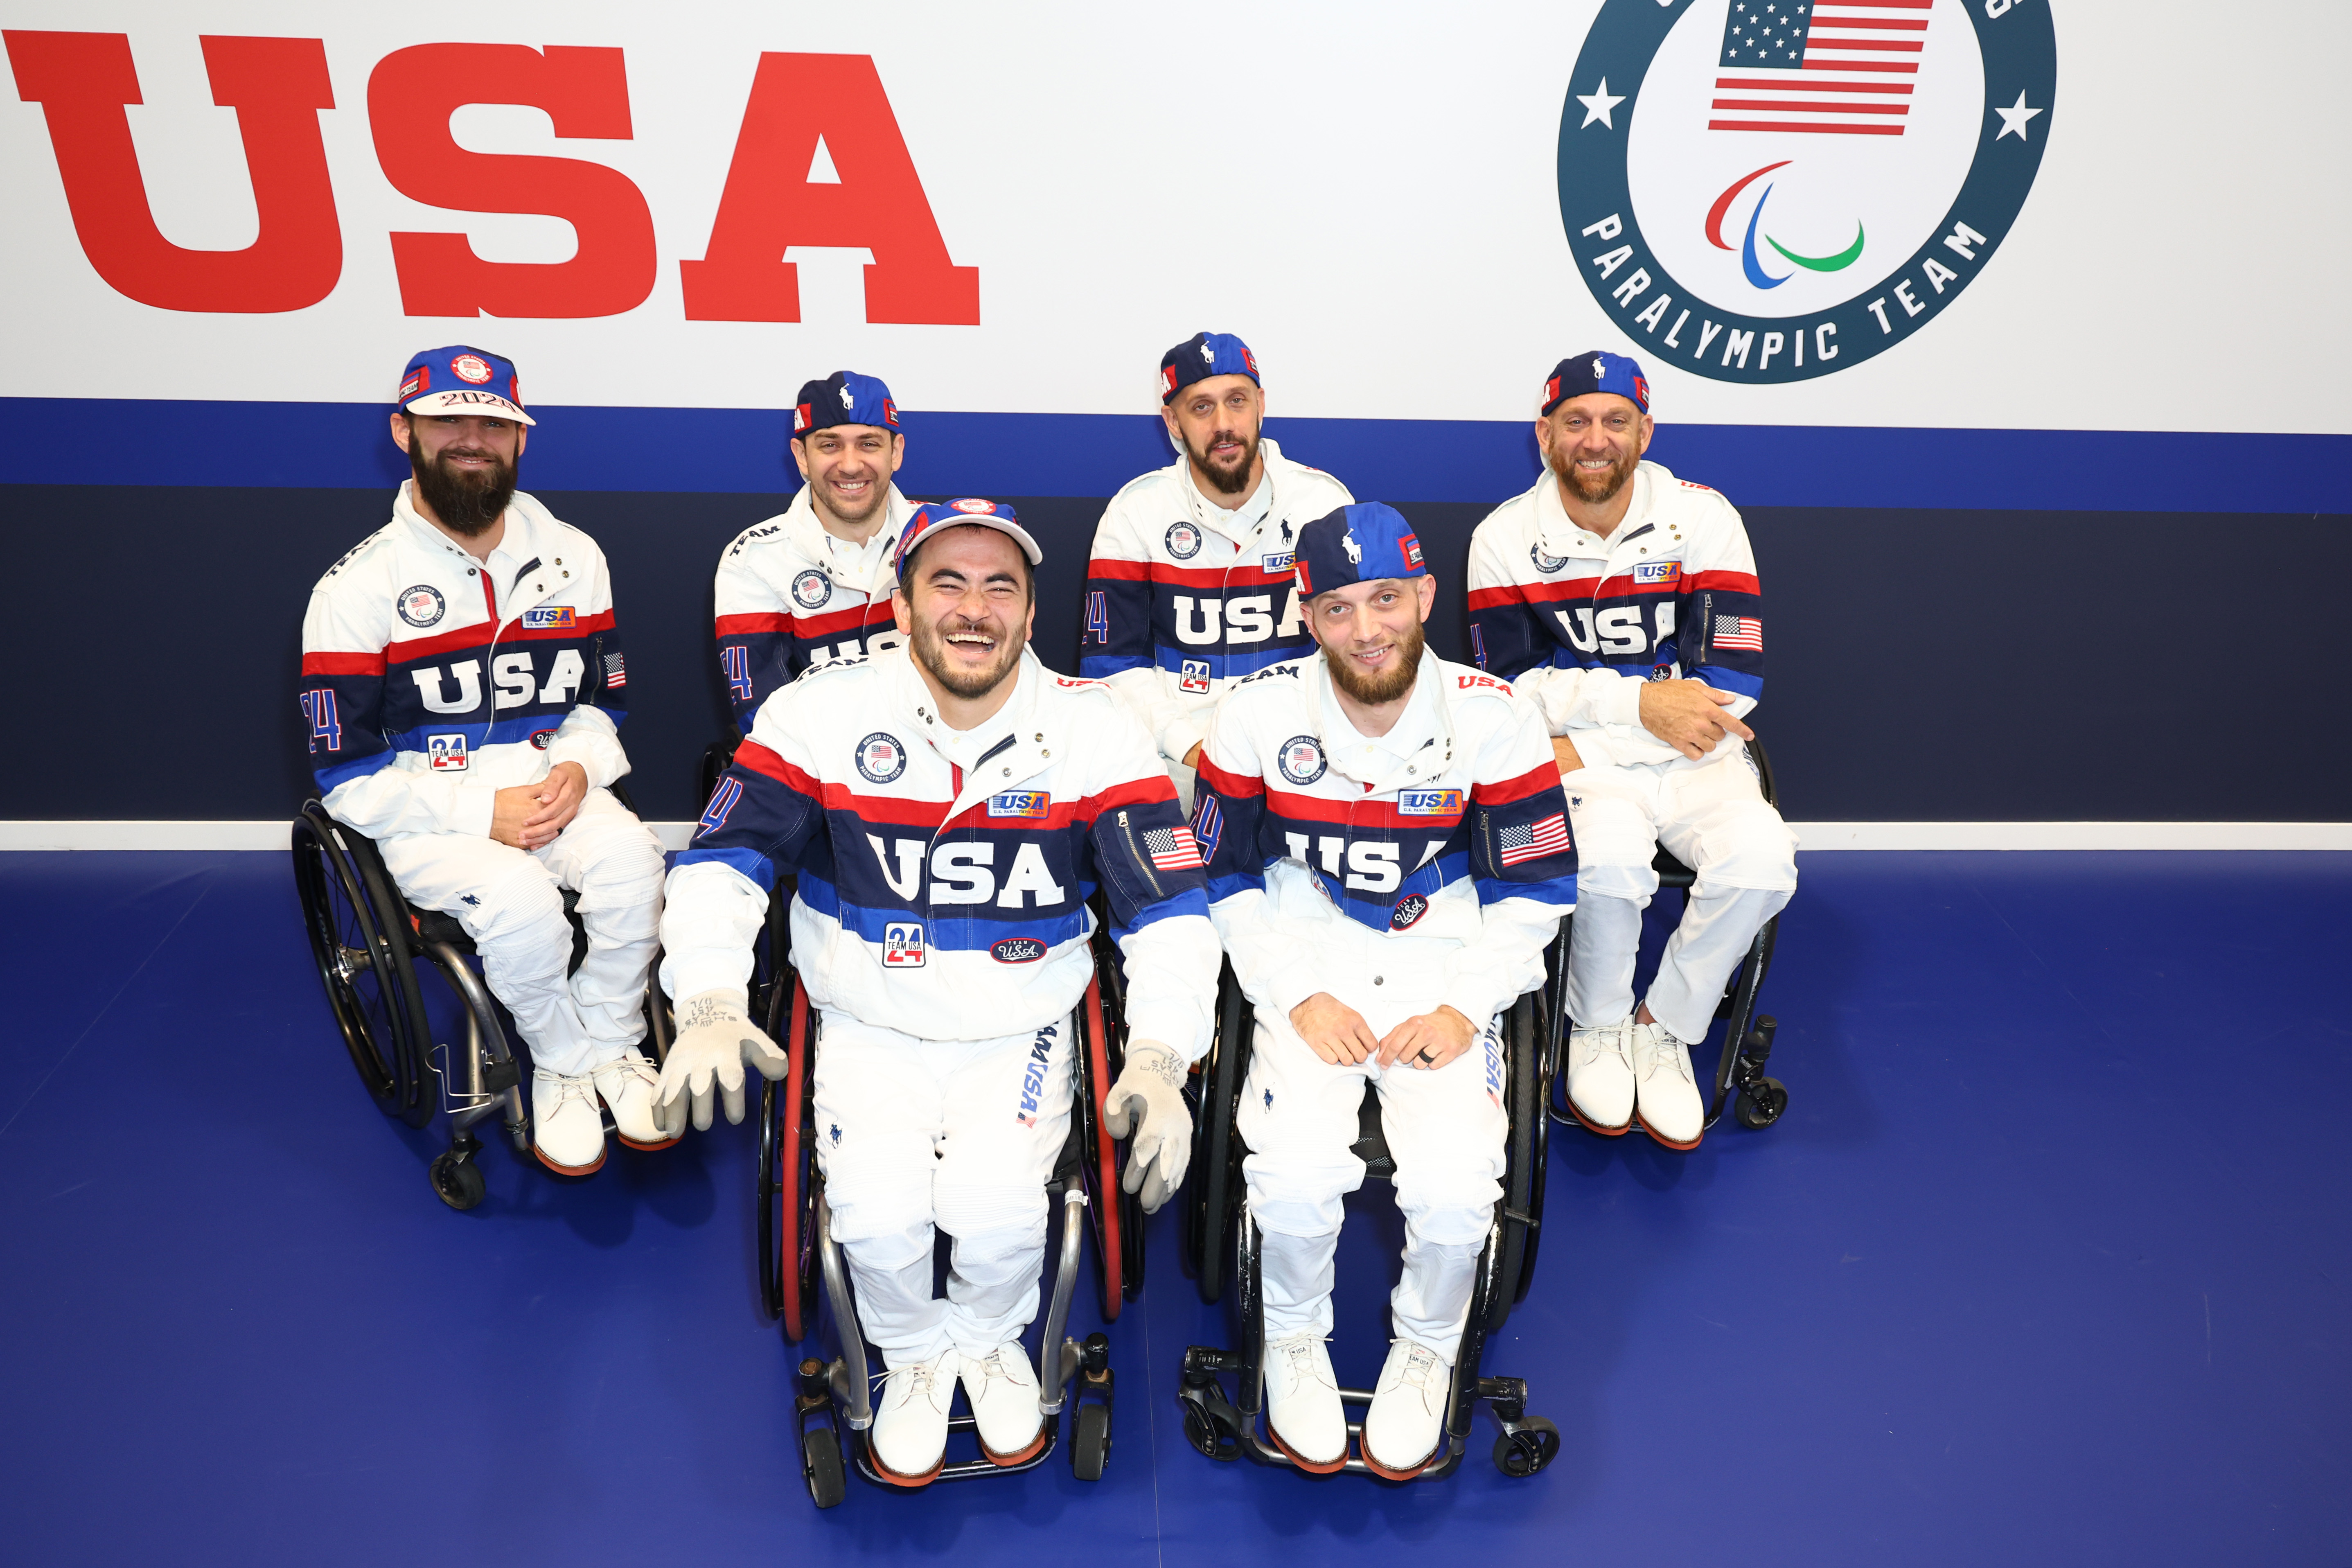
845	397
1200	356
1362	543
1595	371
933	516
462	380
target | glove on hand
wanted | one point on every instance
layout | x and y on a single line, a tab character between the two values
715	1039
1149	1090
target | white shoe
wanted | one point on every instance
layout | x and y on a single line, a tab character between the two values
1407	1420
1003	1394
1665	1096
909	1438
1302	1403
1600	1079
567	1130
626	1086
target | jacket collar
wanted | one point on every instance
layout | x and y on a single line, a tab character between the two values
528	538
1428	717
1239	524
808	536
1017	742
1562	535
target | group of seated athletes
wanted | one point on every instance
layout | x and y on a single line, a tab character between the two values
1260	760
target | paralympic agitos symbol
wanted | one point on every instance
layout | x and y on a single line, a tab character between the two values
1779	189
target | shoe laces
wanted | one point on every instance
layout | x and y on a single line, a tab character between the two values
1297	1354
992	1365
568	1086
919	1379
633	1065
1422	1370
1669	1053
1596	1041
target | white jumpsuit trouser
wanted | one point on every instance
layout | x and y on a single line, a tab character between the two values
1712	818
510	901
1445	1128
918	1136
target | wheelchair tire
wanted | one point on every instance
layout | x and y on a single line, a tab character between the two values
1107	1206
1090	1442
457	1182
1761	1106
1521	1453
1217	1146
359	945
1523	1159
820	1467
788	1198
1114	996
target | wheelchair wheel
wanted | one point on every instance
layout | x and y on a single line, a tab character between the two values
1521	1453
1090	1442
1523	1167
820	1467
1107	1208
1216	1143
787	1191
1761	1105
458	1180
364	963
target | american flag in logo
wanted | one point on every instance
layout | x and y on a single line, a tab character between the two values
615	672
1549	837
1173	848
1739	632
1834	67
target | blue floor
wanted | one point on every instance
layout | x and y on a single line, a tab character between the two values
2047	1263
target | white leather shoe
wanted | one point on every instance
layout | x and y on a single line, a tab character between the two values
1600	1079
1407	1420
1303	1411
626	1086
909	1436
1003	1394
567	1130
1665	1098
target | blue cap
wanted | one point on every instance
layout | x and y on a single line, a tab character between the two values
932	516
1200	356
461	380
1596	371
1360	543
845	397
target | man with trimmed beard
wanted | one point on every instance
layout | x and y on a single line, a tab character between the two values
813	582
1388	858
946	806
1189	586
463	683
1622	602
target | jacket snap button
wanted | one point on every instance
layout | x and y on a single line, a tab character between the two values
1006	771
1376	980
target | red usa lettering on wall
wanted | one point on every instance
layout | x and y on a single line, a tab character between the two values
83	82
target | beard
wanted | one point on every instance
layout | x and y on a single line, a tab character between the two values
928	643
1226	481
466	503
1386	686
1586	487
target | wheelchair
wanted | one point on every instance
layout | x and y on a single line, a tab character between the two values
797	1252
366	942
1748	1040
1221	1243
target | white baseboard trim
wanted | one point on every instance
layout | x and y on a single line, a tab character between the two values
1811	836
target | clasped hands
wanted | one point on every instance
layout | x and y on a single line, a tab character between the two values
1338	1033
529	816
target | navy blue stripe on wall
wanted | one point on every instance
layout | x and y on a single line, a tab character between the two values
1924	664
742	450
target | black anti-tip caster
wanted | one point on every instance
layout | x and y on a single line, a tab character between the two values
1761	1103
1527	1447
457	1180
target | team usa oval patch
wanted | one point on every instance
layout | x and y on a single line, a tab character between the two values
881	757
1408	909
1018	949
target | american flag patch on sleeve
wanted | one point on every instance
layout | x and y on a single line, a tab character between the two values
1549	837
1173	848
615	672
1745	632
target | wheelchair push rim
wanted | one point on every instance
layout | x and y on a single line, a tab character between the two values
364	966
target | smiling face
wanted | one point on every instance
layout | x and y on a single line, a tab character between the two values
464	465
1216	422
966	609
848	468
1595	442
1371	636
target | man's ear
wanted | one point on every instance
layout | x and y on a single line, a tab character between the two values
800	455
1649	428
897	450
400	431
1428	591
522	438
903	612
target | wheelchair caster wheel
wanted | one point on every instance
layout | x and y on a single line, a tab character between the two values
1205	1434
1090	1443
458	1181
820	1467
1761	1104
1522	1452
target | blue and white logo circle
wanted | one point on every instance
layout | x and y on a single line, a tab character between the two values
421	605
880	757
1301	759
1184	540
1766	191
1545	562
811	589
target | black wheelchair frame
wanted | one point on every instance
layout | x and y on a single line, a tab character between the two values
797	1253
1747	1041
366	942
1223	1244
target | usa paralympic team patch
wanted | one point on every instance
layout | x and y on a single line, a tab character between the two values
1184	540
1301	759
1766	192
421	605
1034	804
881	758
811	589
551	617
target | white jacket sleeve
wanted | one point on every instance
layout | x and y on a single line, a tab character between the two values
587	736
1515	639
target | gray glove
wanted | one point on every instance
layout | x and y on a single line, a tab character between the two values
1150	1092
715	1039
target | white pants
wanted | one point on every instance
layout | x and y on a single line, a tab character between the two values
1446	1131
1713	818
510	901
916	1136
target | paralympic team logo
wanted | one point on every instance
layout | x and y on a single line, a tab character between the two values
1771	190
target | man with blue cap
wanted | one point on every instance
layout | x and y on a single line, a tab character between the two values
814	582
1623	603
1189	586
1389	856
